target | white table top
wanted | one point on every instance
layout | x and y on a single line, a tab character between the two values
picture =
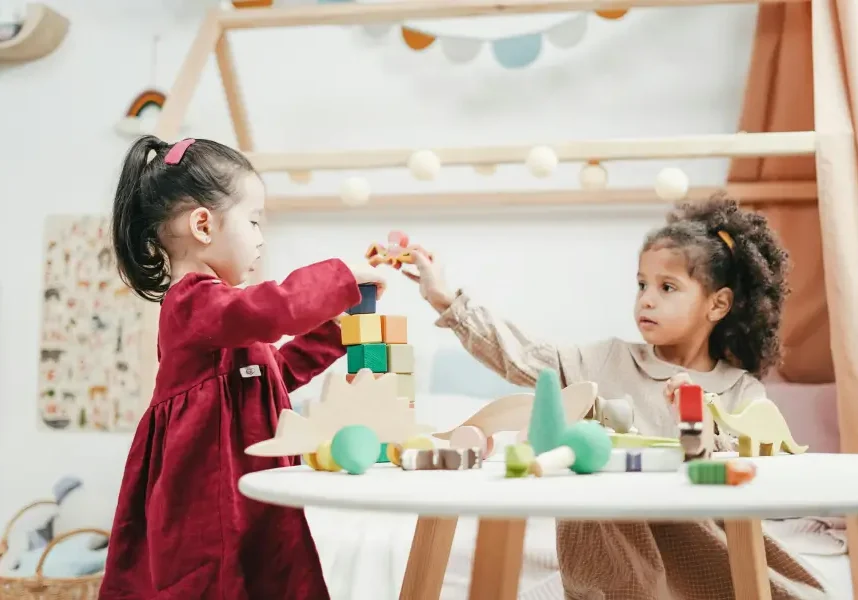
785	486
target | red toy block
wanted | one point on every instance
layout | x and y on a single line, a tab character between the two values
690	404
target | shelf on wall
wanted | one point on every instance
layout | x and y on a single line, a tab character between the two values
43	31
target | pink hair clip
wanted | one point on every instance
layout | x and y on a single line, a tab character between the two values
176	153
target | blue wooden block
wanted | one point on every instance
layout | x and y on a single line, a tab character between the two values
366	306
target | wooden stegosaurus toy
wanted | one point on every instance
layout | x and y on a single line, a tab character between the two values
368	400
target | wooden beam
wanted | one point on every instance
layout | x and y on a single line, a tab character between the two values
746	193
701	146
359	13
179	97
234	100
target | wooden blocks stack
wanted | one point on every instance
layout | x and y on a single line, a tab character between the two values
378	343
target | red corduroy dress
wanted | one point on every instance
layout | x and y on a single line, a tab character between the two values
182	531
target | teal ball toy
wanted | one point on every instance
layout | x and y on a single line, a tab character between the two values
355	448
591	444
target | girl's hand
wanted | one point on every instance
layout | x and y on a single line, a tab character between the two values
367	274
673	384
432	286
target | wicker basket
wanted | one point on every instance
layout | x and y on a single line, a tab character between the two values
39	587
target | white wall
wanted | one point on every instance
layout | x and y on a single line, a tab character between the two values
567	274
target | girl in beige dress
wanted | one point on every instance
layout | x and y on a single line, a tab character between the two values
711	287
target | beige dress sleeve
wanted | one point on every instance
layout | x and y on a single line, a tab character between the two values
515	355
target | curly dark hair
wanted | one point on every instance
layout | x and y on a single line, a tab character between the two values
754	269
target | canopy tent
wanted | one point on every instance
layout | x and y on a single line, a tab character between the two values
794	160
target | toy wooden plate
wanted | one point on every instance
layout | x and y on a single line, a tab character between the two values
630	440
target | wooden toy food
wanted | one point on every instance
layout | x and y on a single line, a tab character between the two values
721	472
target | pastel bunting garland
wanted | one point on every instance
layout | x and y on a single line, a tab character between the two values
513	52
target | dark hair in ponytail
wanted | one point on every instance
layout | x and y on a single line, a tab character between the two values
151	192
754	268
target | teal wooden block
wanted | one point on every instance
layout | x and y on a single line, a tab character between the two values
367	356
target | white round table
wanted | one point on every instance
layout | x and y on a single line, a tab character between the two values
785	486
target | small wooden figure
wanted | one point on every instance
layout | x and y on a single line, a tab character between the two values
397	252
443	459
760	427
696	431
617	415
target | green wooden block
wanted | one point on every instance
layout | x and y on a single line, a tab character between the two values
367	356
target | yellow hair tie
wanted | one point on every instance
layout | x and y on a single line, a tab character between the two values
728	239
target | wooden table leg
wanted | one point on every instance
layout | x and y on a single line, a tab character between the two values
748	565
427	561
497	559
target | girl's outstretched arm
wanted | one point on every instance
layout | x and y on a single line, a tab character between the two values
216	315
498	343
306	356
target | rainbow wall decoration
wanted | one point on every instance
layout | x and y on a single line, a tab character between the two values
142	114
512	52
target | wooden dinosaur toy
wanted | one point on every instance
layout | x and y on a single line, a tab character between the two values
760	427
367	400
512	413
396	253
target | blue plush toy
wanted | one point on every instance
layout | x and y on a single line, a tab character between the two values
77	555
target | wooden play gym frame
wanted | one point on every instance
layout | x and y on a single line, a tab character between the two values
497	558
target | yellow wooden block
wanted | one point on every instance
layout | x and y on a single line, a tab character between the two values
360	329
405	386
400	358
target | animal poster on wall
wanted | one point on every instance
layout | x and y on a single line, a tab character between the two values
91	326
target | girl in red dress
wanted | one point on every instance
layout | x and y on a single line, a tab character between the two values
186	232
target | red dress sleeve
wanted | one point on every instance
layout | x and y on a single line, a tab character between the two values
305	356
212	314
